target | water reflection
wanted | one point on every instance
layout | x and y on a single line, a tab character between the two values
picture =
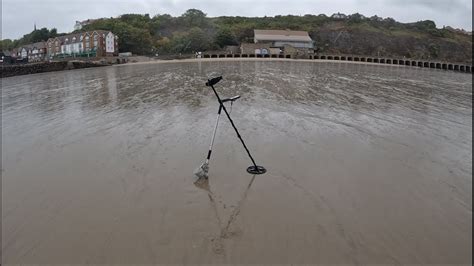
355	87
112	84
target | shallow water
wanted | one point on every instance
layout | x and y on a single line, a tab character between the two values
366	164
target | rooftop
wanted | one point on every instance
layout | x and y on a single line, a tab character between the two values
38	45
281	35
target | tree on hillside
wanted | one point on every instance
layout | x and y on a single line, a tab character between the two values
42	34
194	18
193	40
6	44
199	40
136	20
356	18
224	36
243	32
163	45
131	39
424	25
163	25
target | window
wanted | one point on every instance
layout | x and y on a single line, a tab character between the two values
73	39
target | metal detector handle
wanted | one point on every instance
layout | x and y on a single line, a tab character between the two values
213	81
231	99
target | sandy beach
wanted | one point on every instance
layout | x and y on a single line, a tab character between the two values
367	164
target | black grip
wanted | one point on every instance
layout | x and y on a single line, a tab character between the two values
213	81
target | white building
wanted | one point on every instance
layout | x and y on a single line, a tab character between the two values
80	24
339	16
110	40
72	44
23	53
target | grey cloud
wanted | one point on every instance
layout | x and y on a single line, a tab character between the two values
441	5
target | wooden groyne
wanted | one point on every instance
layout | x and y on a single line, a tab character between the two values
458	67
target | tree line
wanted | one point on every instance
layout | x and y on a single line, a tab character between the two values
194	31
42	34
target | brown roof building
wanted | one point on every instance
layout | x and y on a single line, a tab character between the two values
280	38
97	43
36	51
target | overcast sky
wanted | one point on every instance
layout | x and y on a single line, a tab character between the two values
19	16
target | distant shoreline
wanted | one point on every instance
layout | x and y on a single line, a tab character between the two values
158	61
17	70
195	60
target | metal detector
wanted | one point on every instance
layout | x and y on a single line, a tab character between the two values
202	171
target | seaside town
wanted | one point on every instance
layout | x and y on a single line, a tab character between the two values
82	45
99	43
193	35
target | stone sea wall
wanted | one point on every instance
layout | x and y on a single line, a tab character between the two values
33	68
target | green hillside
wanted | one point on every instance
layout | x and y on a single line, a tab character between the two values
352	34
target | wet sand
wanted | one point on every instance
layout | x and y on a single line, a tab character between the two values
367	164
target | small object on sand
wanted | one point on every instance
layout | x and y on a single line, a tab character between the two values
202	171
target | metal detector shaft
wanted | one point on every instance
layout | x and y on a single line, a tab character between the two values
232	122
213	135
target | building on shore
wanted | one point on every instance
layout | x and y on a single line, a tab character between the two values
71	44
5	57
53	46
36	52
93	44
98	43
14	54
278	38
271	42
80	24
19	55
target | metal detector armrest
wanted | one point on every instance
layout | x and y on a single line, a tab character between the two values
231	99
